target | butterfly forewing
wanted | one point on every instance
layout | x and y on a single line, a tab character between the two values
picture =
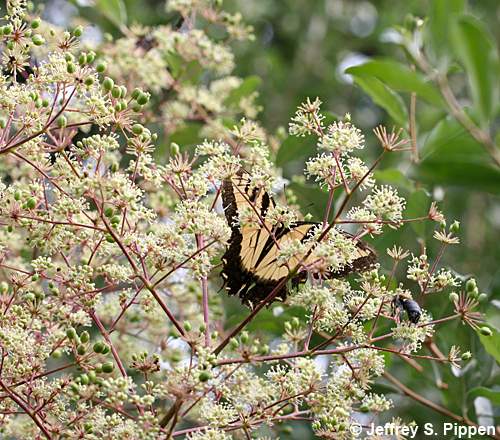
252	268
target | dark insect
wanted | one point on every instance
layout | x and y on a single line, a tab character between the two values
146	42
411	307
251	269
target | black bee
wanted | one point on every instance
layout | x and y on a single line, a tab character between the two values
411	308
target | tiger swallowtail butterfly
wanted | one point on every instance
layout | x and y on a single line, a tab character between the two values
250	264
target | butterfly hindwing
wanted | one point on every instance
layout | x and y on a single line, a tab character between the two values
251	267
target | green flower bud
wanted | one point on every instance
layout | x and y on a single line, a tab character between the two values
82	59
56	354
106	349
116	92
45	102
31	203
70	68
482	298
123	104
17	195
7	29
233	343
98	347
115	220
108	83
108	367
78	31
455	226
453	297
88	427
485	331
62	121
187	326
264	349
136	93
137	129
142	99
92	376
101	67
71	333
123	90
3	123
470	285
90	57
84	379
204	376
37	40
89	81
85	337
174	149
81	349
98	368
30	297
4	287
108	212
35	277
35	24
244	337
466	356
109	238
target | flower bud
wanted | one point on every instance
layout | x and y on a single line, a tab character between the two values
62	121
204	376
82	59
455	226
7	29
81	349
466	356
108	212
101	67
78	31
482	298
85	337
89	81
116	92
244	337
56	354
485	331
453	297
98	347
108	83
71	333
31	203
136	93
187	326
142	99
35	24
137	129
470	285
37	40
106	349
233	343
108	367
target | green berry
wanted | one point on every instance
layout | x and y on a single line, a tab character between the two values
3	123
106	349
35	24
98	347
108	367
62	121
84	379
453	297
37	40
108	212
85	337
101	67
78	31
244	337
233	343
116	92
56	354
4	287
482	298
142	99
136	93
485	331
7	29
90	57
81	349
470	285
187	326
204	376
115	220
137	129
108	83
31	203
71	333
109	238
89	81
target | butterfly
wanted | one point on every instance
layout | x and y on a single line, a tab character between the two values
251	268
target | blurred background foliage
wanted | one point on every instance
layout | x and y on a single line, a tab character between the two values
303	48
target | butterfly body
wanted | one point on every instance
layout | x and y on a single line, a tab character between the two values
251	265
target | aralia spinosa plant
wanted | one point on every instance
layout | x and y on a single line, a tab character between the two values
111	323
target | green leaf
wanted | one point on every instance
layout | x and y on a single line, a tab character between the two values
246	88
386	98
492	395
394	177
296	148
418	206
477	52
441	15
451	156
491	343
113	10
398	77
